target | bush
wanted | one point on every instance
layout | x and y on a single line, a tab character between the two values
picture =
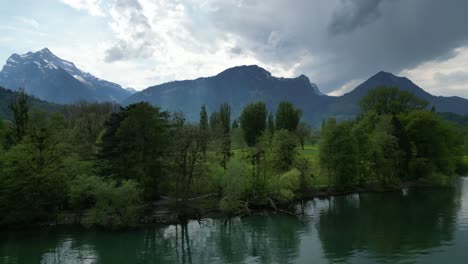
110	205
117	206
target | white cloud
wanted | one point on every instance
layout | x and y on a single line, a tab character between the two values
332	42
30	22
447	77
347	87
91	6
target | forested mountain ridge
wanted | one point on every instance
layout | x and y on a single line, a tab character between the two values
236	86
53	79
241	85
347	104
8	96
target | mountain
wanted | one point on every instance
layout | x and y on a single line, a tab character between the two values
7	96
51	78
241	85
347	105
237	86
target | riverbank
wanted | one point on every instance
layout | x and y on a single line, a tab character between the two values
164	211
208	206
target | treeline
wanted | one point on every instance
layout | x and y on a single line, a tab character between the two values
104	164
395	139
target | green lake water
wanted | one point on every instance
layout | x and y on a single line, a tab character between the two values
411	226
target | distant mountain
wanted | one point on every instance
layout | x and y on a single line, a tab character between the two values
7	96
347	105
130	90
237	86
51	78
241	85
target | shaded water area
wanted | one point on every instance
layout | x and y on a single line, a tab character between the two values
411	226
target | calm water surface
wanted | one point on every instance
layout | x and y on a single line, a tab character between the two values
414	226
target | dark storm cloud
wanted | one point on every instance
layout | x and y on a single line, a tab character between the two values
331	41
354	14
337	41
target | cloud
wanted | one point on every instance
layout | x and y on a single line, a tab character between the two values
443	77
347	87
30	22
333	42
91	6
354	14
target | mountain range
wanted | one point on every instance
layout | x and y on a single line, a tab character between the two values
47	77
51	78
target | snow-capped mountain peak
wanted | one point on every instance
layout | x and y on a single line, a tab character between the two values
21	70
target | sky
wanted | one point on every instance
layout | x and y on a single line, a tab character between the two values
336	43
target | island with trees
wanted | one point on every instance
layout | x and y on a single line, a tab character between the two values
100	164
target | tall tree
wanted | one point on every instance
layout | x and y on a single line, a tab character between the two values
203	125
303	132
271	123
253	122
225	118
287	116
134	145
186	158
338	154
20	109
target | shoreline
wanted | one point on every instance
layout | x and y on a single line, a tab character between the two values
208	207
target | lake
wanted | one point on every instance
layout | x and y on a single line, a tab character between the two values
410	226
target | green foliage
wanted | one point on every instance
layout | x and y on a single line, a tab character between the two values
436	145
3	135
283	150
253	122
35	172
20	109
287	116
236	185
303	132
271	123
134	144
186	160
283	187
391	101
338	154
117	205
225	117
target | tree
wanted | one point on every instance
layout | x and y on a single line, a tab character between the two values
134	145
436	146
35	172
3	133
338	154
215	122
271	123
391	101
303	132
186	159
225	118
283	150
253	122
287	116
20	109
378	149
204	128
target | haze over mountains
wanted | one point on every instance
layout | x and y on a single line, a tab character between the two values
50	78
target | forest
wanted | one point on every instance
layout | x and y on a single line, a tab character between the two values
105	165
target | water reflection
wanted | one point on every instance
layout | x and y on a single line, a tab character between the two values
388	226
425	226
